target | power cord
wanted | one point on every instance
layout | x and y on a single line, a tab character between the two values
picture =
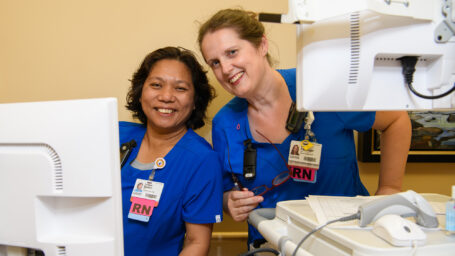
414	248
408	64
354	216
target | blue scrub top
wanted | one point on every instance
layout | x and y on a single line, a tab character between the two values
192	193
338	173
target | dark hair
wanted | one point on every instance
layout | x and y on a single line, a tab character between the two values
245	23
203	91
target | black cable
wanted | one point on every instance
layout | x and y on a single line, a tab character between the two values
408	68
431	97
347	218
237	184
253	252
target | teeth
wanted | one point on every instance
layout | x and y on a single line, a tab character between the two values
235	78
165	110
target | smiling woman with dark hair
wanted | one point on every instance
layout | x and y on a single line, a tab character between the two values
182	193
204	91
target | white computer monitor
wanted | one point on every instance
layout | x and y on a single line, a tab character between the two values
348	54
60	185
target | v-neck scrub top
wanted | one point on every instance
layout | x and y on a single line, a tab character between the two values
338	173
192	193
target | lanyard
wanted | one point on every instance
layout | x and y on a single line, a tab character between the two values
152	174
309	134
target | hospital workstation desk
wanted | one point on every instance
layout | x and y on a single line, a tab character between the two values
294	219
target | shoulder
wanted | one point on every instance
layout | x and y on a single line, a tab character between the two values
127	126
197	156
127	130
195	146
233	110
360	121
289	75
364	116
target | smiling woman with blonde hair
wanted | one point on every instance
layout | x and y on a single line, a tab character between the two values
234	45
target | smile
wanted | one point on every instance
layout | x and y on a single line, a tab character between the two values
165	110
236	77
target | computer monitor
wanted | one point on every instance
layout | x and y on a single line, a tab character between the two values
352	62
349	54
60	185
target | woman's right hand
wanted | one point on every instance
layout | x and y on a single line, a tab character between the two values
239	203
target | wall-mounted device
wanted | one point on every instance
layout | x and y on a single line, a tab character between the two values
348	53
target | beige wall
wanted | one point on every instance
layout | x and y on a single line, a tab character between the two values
53	50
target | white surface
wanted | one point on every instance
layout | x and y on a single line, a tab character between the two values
294	219
344	65
328	208
60	177
317	10
399	231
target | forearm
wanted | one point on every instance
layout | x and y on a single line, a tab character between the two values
191	248
395	142
197	239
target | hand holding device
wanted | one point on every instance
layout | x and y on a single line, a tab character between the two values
241	203
406	204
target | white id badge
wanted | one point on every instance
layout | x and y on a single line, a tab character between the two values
150	190
304	159
144	199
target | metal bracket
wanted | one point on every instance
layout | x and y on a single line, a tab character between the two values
446	29
405	2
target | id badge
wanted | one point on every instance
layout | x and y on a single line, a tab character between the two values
144	198
150	190
304	159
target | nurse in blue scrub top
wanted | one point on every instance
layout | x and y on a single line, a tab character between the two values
255	141
181	193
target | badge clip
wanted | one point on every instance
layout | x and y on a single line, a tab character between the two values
160	163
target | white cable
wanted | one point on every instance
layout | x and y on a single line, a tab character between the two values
414	248
347	218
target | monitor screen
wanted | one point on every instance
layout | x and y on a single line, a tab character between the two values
60	186
353	62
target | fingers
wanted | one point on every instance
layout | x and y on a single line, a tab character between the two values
241	203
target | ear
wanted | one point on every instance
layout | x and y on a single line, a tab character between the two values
264	47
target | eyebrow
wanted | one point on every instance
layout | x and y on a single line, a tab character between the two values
177	81
184	82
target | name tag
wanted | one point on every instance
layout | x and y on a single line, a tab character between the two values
144	198
304	159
